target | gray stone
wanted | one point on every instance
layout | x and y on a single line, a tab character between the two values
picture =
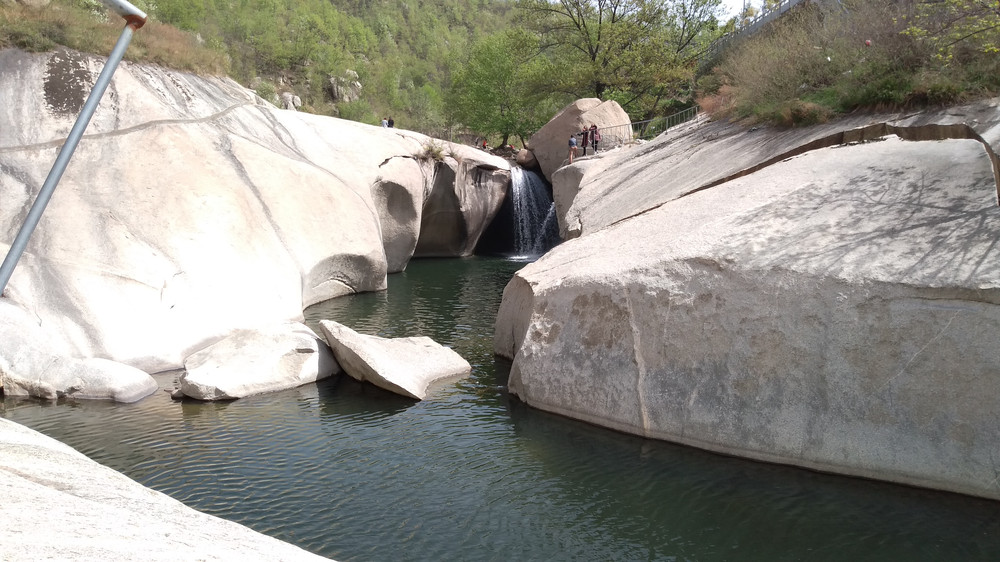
186	200
465	196
60	505
344	88
249	362
290	101
31	364
406	366
398	195
526	159
835	308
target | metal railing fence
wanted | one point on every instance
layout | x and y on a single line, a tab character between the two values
746	27
621	135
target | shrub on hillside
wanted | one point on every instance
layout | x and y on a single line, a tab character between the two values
839	57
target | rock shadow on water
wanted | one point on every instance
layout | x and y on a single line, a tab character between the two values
702	503
342	396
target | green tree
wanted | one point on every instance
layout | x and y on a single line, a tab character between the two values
953	25
625	47
494	92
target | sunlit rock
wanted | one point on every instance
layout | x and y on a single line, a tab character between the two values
192	209
550	144
836	308
406	366
60	505
249	362
31	365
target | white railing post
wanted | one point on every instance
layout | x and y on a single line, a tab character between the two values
134	19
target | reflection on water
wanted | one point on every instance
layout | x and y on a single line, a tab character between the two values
355	473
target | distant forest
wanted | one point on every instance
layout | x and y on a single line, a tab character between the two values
491	67
502	68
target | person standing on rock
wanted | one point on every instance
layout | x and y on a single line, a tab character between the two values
595	136
572	148
584	133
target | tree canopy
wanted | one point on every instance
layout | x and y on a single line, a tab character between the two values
636	51
955	25
496	91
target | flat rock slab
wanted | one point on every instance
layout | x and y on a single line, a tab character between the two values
406	366
252	362
60	505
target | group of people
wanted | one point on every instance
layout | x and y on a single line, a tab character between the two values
590	136
388	122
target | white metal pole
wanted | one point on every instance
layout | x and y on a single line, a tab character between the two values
134	18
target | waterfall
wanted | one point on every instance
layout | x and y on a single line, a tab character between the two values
535	227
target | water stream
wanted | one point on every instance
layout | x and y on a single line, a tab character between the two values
535	227
354	473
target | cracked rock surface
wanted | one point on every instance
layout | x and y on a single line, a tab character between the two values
836	308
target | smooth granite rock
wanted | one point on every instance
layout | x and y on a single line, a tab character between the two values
406	366
249	362
837	308
60	505
550	145
192	208
31	365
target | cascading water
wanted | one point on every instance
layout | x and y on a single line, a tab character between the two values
535	227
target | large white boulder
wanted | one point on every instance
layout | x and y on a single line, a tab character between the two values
836	310
60	505
256	361
595	193
406	366
191	208
550	144
31	365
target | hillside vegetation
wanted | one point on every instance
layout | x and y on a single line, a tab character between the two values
462	69
402	50
827	58
499	68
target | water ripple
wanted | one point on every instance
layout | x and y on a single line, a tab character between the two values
355	473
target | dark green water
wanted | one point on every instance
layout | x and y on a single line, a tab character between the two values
354	473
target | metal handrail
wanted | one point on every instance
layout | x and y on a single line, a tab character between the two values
134	19
749	27
621	135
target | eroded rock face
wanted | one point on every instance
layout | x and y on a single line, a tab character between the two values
550	144
835	310
464	198
344	88
249	362
406	366
399	197
103	515
191	208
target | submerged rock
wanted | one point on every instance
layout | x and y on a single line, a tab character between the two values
249	362
406	366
